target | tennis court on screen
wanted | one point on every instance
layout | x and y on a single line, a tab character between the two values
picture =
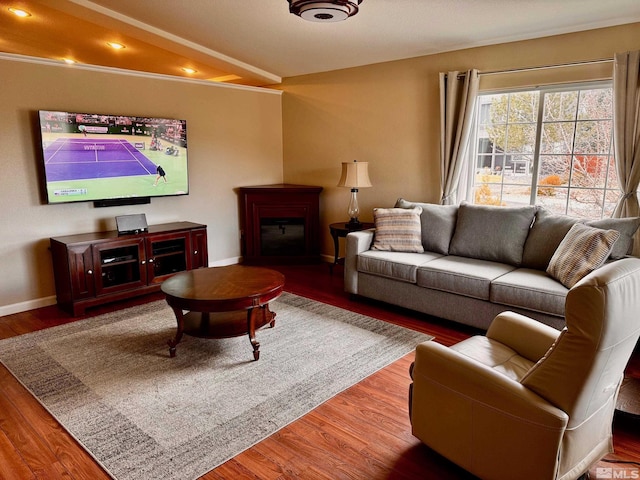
82	158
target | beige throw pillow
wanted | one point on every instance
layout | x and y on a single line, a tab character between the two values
397	230
582	250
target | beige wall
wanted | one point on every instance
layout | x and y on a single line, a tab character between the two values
388	114
234	137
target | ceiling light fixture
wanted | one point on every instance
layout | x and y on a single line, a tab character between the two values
69	61
324	11
116	45
19	12
189	70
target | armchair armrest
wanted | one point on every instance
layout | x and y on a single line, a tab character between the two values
528	337
472	415
357	242
479	383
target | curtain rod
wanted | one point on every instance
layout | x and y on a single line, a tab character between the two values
541	67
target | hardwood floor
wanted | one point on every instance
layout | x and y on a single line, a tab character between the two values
362	433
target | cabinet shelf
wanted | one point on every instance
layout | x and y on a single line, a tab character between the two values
172	254
115	264
95	268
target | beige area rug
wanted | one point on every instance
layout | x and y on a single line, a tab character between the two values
142	415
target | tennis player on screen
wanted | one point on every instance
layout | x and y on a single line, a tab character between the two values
161	174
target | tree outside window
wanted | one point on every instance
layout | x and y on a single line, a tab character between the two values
549	147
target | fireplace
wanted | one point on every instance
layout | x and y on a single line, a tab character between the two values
282	236
280	224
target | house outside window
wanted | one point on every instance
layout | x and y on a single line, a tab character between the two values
552	146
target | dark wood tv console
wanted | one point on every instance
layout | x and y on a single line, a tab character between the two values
91	269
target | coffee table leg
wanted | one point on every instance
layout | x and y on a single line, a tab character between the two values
253	319
172	343
251	327
269	316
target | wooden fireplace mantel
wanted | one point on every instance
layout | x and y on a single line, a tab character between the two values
284	202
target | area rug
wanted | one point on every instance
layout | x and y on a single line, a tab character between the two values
110	382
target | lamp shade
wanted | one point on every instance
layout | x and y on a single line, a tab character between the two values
355	175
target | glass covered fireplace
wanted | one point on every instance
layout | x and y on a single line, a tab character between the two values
280	224
282	236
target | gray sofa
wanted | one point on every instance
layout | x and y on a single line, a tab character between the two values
471	262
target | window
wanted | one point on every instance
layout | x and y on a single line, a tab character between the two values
550	146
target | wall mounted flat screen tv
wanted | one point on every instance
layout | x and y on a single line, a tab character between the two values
95	157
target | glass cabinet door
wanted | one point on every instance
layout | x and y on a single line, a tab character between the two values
119	266
167	254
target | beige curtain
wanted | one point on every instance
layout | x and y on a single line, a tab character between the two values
626	134
457	100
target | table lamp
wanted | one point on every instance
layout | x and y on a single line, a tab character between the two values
355	175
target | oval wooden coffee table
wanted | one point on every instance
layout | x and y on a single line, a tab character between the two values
223	302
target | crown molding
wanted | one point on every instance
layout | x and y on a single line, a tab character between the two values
133	73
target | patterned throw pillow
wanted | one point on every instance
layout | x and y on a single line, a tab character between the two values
397	230
582	250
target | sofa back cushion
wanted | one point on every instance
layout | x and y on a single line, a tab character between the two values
437	222
492	233
545	235
627	228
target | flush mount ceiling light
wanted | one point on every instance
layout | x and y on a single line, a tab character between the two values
324	11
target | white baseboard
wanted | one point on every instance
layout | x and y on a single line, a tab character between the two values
225	262
28	305
327	258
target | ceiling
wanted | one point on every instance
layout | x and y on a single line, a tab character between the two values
258	42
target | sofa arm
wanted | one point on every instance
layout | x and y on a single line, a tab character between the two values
357	242
472	415
529	337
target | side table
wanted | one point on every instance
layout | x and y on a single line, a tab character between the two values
341	230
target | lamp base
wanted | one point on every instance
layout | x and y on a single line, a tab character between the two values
354	224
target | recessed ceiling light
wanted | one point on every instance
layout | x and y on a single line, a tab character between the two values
69	61
116	45
19	12
189	70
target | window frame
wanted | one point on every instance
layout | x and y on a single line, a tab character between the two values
474	153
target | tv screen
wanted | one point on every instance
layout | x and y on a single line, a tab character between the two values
94	157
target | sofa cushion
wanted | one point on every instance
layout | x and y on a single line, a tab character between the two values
492	233
438	223
545	235
581	251
529	289
397	230
464	276
396	265
627	228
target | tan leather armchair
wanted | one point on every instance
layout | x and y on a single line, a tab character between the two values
526	400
